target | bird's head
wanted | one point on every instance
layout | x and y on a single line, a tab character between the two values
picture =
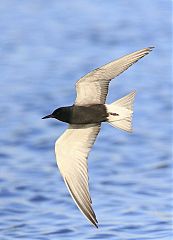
56	114
62	114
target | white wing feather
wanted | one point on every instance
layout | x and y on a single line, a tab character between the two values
93	87
72	150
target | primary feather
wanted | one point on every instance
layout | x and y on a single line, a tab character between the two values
93	87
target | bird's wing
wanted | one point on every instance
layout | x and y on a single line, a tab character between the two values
93	87
72	150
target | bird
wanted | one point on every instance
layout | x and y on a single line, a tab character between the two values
84	120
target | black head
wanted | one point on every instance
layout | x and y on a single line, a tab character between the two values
56	114
61	114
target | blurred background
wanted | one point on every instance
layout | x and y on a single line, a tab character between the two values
45	47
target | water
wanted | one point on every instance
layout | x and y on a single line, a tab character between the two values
45	46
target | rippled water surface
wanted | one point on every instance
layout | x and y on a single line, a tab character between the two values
45	46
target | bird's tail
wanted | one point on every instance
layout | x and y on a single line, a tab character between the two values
120	112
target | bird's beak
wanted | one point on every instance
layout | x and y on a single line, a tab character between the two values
48	116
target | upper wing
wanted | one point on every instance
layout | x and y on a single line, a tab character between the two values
93	87
72	150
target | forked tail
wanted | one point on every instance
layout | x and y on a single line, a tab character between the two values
120	112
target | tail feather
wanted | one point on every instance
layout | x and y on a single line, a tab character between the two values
120	112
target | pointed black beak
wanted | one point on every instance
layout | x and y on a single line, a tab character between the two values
48	116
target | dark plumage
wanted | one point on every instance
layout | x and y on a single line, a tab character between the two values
88	114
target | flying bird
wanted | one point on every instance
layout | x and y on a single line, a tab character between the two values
84	118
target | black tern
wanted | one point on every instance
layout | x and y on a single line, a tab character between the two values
84	118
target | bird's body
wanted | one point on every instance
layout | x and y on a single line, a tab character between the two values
87	114
84	119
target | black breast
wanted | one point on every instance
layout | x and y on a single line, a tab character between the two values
88	114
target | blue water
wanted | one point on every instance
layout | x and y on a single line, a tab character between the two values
45	46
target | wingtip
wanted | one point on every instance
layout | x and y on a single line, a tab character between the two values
147	50
89	215
96	224
150	48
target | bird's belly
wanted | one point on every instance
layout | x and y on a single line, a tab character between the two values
89	114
